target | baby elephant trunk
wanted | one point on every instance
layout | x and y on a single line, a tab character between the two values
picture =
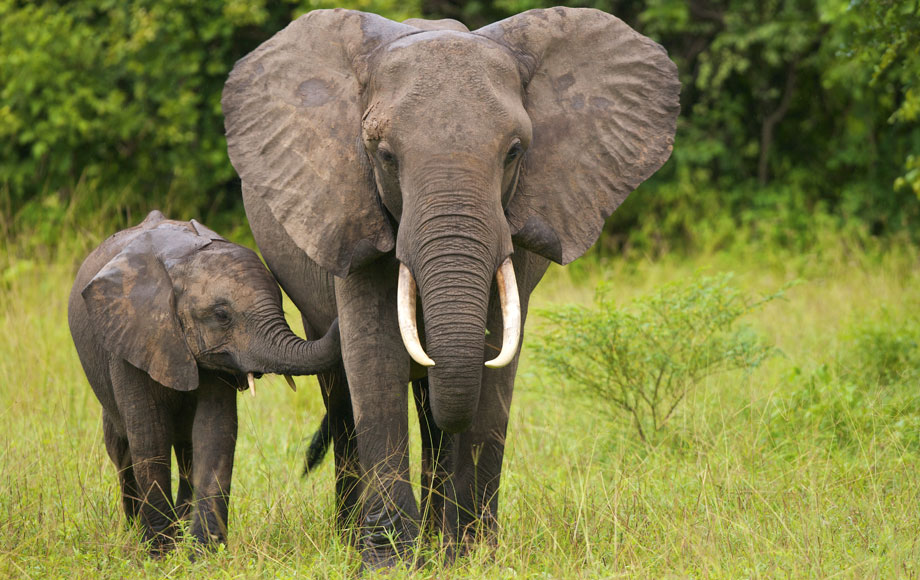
285	353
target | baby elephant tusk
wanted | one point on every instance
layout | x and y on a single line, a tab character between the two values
252	384
511	315
405	306
290	382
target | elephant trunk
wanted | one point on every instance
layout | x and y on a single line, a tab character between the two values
455	301
451	246
511	316
280	351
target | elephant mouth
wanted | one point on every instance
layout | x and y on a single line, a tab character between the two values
220	361
225	362
511	316
247	382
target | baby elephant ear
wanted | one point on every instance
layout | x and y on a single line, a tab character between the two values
603	100
131	306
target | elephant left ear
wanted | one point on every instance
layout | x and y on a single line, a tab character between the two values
603	100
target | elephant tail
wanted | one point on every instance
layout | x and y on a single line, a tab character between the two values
318	446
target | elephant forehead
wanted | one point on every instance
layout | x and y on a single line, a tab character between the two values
227	271
447	84
430	62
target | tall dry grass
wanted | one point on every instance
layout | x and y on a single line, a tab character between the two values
804	468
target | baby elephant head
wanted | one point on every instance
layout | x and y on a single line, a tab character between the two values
179	295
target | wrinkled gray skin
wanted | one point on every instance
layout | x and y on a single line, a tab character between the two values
362	143
168	318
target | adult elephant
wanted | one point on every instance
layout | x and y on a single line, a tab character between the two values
372	151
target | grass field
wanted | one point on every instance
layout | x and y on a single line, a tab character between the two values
807	467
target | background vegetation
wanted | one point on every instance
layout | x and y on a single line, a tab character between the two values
792	110
797	158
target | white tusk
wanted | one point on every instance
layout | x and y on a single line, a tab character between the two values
252	384
511	315
290	382
405	307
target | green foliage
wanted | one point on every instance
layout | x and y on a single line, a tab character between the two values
126	95
794	111
868	385
643	359
884	349
783	122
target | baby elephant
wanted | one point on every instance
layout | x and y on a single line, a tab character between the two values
170	320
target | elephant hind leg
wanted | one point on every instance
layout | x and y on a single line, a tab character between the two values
341	425
120	454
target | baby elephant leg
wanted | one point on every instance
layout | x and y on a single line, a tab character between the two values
149	427
214	443
117	447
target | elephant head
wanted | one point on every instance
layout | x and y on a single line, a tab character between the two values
452	148
178	296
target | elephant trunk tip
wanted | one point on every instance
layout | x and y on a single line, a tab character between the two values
453	424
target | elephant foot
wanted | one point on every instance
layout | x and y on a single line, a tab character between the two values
206	539
387	540
380	558
160	545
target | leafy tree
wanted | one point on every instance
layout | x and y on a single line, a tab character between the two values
792	110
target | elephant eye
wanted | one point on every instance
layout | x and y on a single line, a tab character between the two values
221	315
514	153
386	156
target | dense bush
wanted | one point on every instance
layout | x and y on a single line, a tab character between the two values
867	386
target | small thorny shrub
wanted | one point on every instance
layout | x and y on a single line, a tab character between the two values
643	358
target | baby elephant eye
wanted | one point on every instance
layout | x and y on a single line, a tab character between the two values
221	315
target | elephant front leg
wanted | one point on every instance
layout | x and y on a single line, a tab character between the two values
378	375
149	429
438	496
214	443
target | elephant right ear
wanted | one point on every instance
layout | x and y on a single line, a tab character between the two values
293	111
132	308
603	101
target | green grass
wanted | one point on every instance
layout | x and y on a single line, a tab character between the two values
806	468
